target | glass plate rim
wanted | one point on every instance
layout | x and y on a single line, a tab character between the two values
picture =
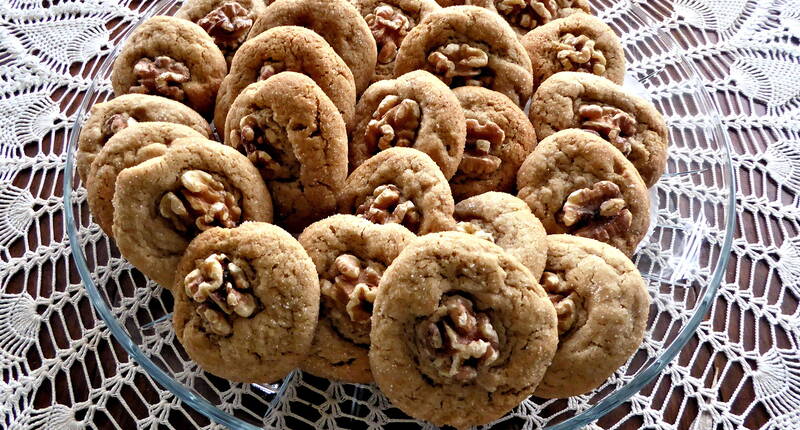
589	415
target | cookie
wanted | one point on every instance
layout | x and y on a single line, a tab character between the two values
461	331
131	146
350	254
630	123
161	204
506	221
246	302
172	58
602	305
415	110
577	43
291	131
107	118
524	15
403	186
577	183
288	49
338	21
227	21
468	46
390	21
499	137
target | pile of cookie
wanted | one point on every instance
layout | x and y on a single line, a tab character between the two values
376	205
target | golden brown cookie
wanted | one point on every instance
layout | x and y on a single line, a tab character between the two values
108	118
577	183
338	21
246	302
602	305
291	131
350	254
415	110
403	186
507	222
468	45
227	21
161	204
577	43
172	58
499	137
131	146
461	331
288	49
630	123
390	21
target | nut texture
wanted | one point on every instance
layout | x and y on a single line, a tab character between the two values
610	123
161	76
389	25
228	24
202	202
267	146
348	294
525	15
388	205
482	140
598	212
578	54
394	123
460	64
117	122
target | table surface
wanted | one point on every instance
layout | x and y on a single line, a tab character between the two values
61	368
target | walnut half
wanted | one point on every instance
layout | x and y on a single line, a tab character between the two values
566	301
221	288
162	76
394	123
114	123
228	24
610	123
461	64
482	139
265	143
202	202
458	339
388	205
599	212
389	27
578	53
529	14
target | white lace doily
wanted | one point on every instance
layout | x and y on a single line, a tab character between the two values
61	369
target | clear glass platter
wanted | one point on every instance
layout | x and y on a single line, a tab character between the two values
683	259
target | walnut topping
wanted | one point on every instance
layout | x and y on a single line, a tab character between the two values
578	53
460	64
458	339
228	24
478	160
598	213
221	288
353	287
202	202
610	123
394	123
266	145
269	69
389	26
473	229
529	14
162	76
117	122
565	300
388	205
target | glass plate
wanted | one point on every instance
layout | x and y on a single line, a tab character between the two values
683	258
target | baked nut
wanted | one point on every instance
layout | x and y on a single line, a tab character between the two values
172	58
602	306
577	183
461	331
161	204
595	104
288	49
526	15
227	21
351	255
108	118
129	147
291	131
499	137
468	46
400	185
238	301
415	110
338	22
577	43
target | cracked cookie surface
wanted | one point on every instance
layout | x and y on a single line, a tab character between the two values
499	137
400	185
350	254
161	204
415	110
461	331
602	305
595	104
294	135
246	302
577	183
172	58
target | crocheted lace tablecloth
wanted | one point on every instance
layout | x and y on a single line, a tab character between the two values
61	368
